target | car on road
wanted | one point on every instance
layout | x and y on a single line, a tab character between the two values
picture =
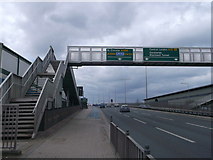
124	108
109	105
144	106
102	105
116	105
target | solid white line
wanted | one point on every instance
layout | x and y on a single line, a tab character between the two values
166	118
139	120
126	115
186	139
146	114
198	125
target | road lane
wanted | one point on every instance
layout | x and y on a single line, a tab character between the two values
157	129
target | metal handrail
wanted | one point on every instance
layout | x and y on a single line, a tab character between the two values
187	55
47	92
26	80
128	143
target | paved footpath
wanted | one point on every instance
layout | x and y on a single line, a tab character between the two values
82	135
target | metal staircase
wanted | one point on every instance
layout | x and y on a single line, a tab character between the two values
26	117
26	107
25	92
41	84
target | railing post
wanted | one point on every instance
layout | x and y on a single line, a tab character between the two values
126	145
110	118
116	133
146	151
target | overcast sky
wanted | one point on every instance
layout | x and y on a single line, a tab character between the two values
30	28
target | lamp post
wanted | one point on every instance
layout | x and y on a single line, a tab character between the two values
115	95
125	88
146	81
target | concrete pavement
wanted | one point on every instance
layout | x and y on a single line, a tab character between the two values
85	134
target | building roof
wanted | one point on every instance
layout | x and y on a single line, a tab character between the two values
13	52
184	91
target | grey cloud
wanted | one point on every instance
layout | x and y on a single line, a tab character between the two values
142	24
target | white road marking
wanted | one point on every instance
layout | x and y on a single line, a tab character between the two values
126	115
166	118
198	125
142	113
139	120
146	114
186	139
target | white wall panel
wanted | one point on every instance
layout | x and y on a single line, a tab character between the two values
23	66
9	62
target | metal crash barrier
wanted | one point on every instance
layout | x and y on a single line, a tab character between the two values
10	114
125	146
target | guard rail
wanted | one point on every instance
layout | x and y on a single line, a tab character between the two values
126	146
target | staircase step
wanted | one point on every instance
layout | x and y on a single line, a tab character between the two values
32	94
20	122
21	110
24	100
25	114
19	135
26	122
26	126
24	104
20	130
26	118
21	126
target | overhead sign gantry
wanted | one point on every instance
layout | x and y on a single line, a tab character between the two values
138	56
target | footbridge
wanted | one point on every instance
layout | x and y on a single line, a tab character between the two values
50	83
44	95
138	56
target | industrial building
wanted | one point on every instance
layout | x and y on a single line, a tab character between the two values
11	61
200	98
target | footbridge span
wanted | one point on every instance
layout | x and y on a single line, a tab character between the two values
138	56
50	83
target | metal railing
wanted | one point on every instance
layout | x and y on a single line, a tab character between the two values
95	54
184	111
10	114
15	86
49	91
126	146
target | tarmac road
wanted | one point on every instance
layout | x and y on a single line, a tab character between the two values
169	135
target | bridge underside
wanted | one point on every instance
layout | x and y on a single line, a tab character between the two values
123	63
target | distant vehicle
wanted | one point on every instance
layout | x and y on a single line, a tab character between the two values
144	106
116	105
124	108
109	105
102	105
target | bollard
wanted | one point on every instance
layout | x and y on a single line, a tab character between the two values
147	150
127	145
127	132
110	118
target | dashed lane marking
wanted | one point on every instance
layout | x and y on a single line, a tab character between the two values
139	120
186	139
166	118
199	125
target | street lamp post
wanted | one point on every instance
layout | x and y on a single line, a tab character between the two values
124	89
146	81
115	95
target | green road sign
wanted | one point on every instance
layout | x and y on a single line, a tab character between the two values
119	54
161	54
